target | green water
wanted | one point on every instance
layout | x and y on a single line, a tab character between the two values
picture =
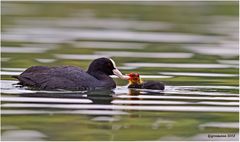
196	40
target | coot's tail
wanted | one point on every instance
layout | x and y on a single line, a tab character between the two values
17	77
23	81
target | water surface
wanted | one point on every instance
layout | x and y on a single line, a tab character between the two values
190	46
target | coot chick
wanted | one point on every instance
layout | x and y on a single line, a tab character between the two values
71	77
136	82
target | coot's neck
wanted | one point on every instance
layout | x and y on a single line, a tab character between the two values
99	75
105	81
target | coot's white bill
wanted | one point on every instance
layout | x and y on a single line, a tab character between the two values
120	75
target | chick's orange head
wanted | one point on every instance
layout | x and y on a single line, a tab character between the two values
134	78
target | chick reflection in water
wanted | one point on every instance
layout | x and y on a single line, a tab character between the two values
135	83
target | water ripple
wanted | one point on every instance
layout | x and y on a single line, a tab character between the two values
145	54
54	35
198	74
180	97
45	100
180	65
121	107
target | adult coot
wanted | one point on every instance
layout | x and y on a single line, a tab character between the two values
136	82
72	78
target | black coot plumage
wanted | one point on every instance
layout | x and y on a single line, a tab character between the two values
136	82
71	77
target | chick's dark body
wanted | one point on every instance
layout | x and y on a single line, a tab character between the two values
136	82
154	85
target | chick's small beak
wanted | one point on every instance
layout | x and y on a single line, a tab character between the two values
120	75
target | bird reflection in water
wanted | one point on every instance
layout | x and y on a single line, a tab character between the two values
96	96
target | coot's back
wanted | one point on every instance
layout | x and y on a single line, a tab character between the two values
63	77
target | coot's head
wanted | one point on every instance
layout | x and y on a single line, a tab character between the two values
134	79
106	66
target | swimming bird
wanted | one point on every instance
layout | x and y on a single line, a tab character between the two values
136	82
72	78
